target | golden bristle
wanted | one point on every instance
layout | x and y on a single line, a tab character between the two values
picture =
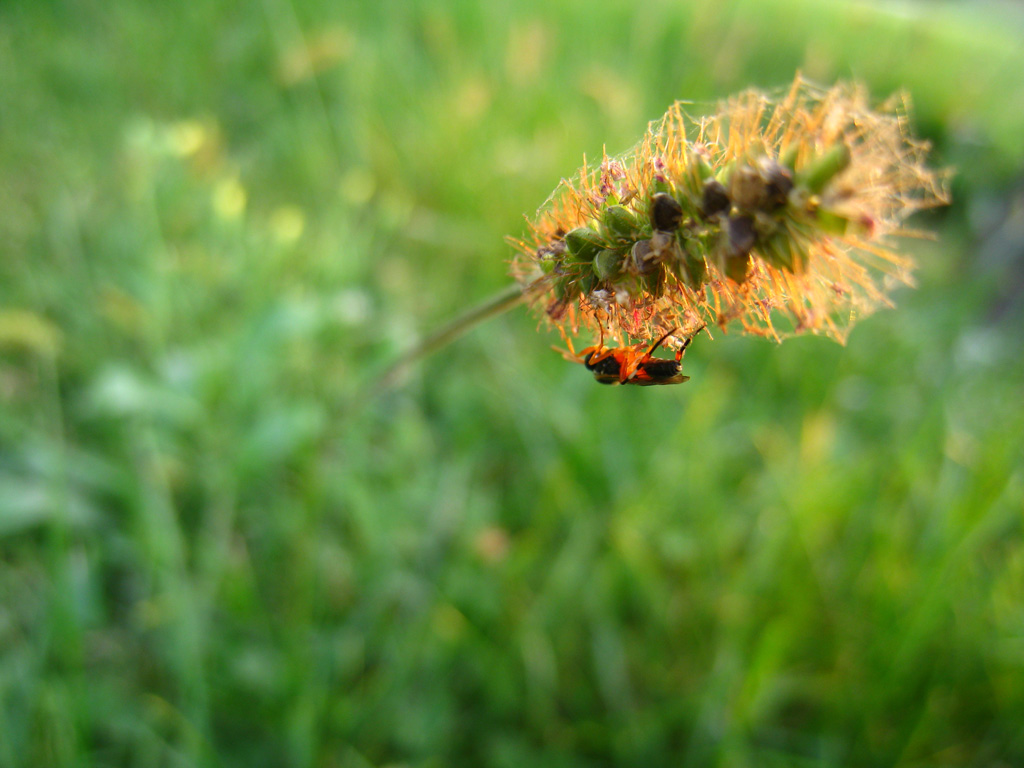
821	258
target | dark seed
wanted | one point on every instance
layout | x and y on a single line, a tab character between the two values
557	307
666	212
661	243
551	250
643	256
742	235
747	187
779	182
715	199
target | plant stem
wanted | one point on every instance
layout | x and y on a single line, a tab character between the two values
502	301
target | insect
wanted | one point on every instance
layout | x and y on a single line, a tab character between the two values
633	365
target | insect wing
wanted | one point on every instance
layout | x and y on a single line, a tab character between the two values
654	371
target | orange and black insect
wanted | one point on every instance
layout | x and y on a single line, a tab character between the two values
633	365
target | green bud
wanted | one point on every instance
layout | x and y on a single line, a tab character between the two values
695	271
832	222
562	288
724	174
617	221
607	264
697	268
661	186
550	255
583	243
703	169
736	267
776	250
787	157
820	172
653	282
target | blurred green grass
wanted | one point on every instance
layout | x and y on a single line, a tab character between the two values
218	220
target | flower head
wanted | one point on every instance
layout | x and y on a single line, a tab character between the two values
776	212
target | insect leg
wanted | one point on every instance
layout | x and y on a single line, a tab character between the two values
686	343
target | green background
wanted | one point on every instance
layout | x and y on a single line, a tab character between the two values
222	545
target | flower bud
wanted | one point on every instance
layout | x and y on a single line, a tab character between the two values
825	168
733	216
618	222
607	264
776	250
788	155
692	263
583	243
832	222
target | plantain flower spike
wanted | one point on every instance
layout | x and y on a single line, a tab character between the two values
776	214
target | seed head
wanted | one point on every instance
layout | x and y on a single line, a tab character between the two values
777	212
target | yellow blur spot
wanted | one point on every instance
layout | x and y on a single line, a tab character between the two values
615	95
229	199
26	330
287	224
358	186
449	622
962	447
817	438
471	99
492	544
186	137
526	53
315	55
152	612
121	309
